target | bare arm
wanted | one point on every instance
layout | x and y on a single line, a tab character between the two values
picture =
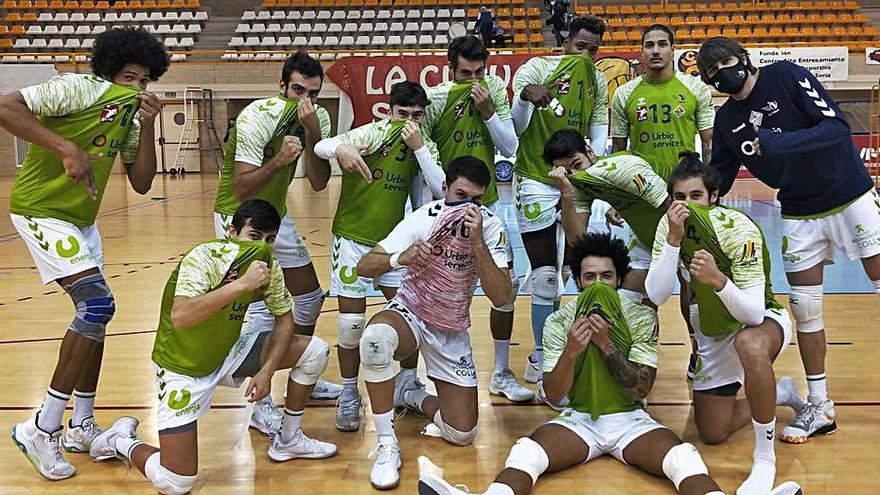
317	168
494	279
636	379
250	180
706	141
558	382
142	171
574	224
377	261
279	342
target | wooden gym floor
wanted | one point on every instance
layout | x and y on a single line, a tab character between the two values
144	236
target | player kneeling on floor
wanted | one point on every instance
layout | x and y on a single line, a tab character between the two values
601	350
199	345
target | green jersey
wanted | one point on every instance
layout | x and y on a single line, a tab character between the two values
633	331
662	119
454	123
256	137
628	183
739	249
581	90
200	349
367	213
96	115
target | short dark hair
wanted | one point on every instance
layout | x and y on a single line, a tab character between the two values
719	48
303	63
118	47
469	167
408	94
469	47
599	244
259	214
659	27
589	22
692	166
564	143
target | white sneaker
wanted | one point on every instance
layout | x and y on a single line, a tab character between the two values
385	473
104	445
533	372
787	488
348	411
543	398
266	419
787	394
504	383
299	447
432	485
42	450
812	420
325	390
78	439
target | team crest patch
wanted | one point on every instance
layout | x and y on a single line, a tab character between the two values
748	251
640	182
563	86
459	110
756	118
679	111
641	110
108	113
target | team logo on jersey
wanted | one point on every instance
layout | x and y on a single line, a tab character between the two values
108	113
771	108
563	86
640	182
100	140
641	110
378	174
756	118
458	136
464	367
679	111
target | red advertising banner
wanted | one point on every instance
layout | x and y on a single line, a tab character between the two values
368	80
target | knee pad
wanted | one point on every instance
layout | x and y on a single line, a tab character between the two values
167	482
544	285
307	307
806	307
632	295
508	305
528	456
349	328
377	347
312	363
682	462
94	306
451	435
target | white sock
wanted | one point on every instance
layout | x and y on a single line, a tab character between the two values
499	489
763	474
350	383
83	407
818	387
764	437
50	414
292	422
502	354
385	425
415	398
125	445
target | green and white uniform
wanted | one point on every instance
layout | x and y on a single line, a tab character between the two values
367	213
600	411
53	214
740	252
583	93
662	119
191	362
256	137
628	183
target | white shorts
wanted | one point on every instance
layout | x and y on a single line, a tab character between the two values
536	204
60	248
508	247
289	247
344	281
611	433
184	399
448	355
855	230
717	361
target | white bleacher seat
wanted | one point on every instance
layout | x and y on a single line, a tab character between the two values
300	41
319	28
27	58
62	17
34	29
93	17
396	27
236	41
123	17
258	27
81	58
441	39
442	26
394	41
187	42
111	17
309	15
383	14
170	42
338	15
409	40
85	30
39	43
378	41
413	14
426	40
163	29
331	42
44	58
178	29
288	27
304	28
149	28
429	13
411	26
22	43
61	59
346	41
72	43
169	16
52	29
252	41
365	27
188	16
249	15
200	16
368	15
362	41
380	27
294	15
264	15
353	14
330	55
279	15
398	14
273	28
178	57
426	27
229	56
315	42
276	56
193	29
324	15
98	30
245	56
350	27
66	30
261	56
77	17
267	41
444	14
138	17
9	59
118	26
284	41
335	27
459	14
45	17
157	17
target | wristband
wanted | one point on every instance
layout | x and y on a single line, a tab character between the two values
393	261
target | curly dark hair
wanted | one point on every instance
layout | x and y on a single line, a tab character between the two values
589	23
303	63
602	245
118	47
692	166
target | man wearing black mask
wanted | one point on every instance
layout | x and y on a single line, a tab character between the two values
785	128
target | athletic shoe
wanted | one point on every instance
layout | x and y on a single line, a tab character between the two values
533	373
42	450
812	420
78	439
432	485
299	447
543	398
104	445
504	383
348	411
325	390
266	419
692	367
385	473
787	488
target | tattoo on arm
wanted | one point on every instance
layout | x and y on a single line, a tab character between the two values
637	379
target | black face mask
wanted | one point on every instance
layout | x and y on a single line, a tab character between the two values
731	79
462	202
